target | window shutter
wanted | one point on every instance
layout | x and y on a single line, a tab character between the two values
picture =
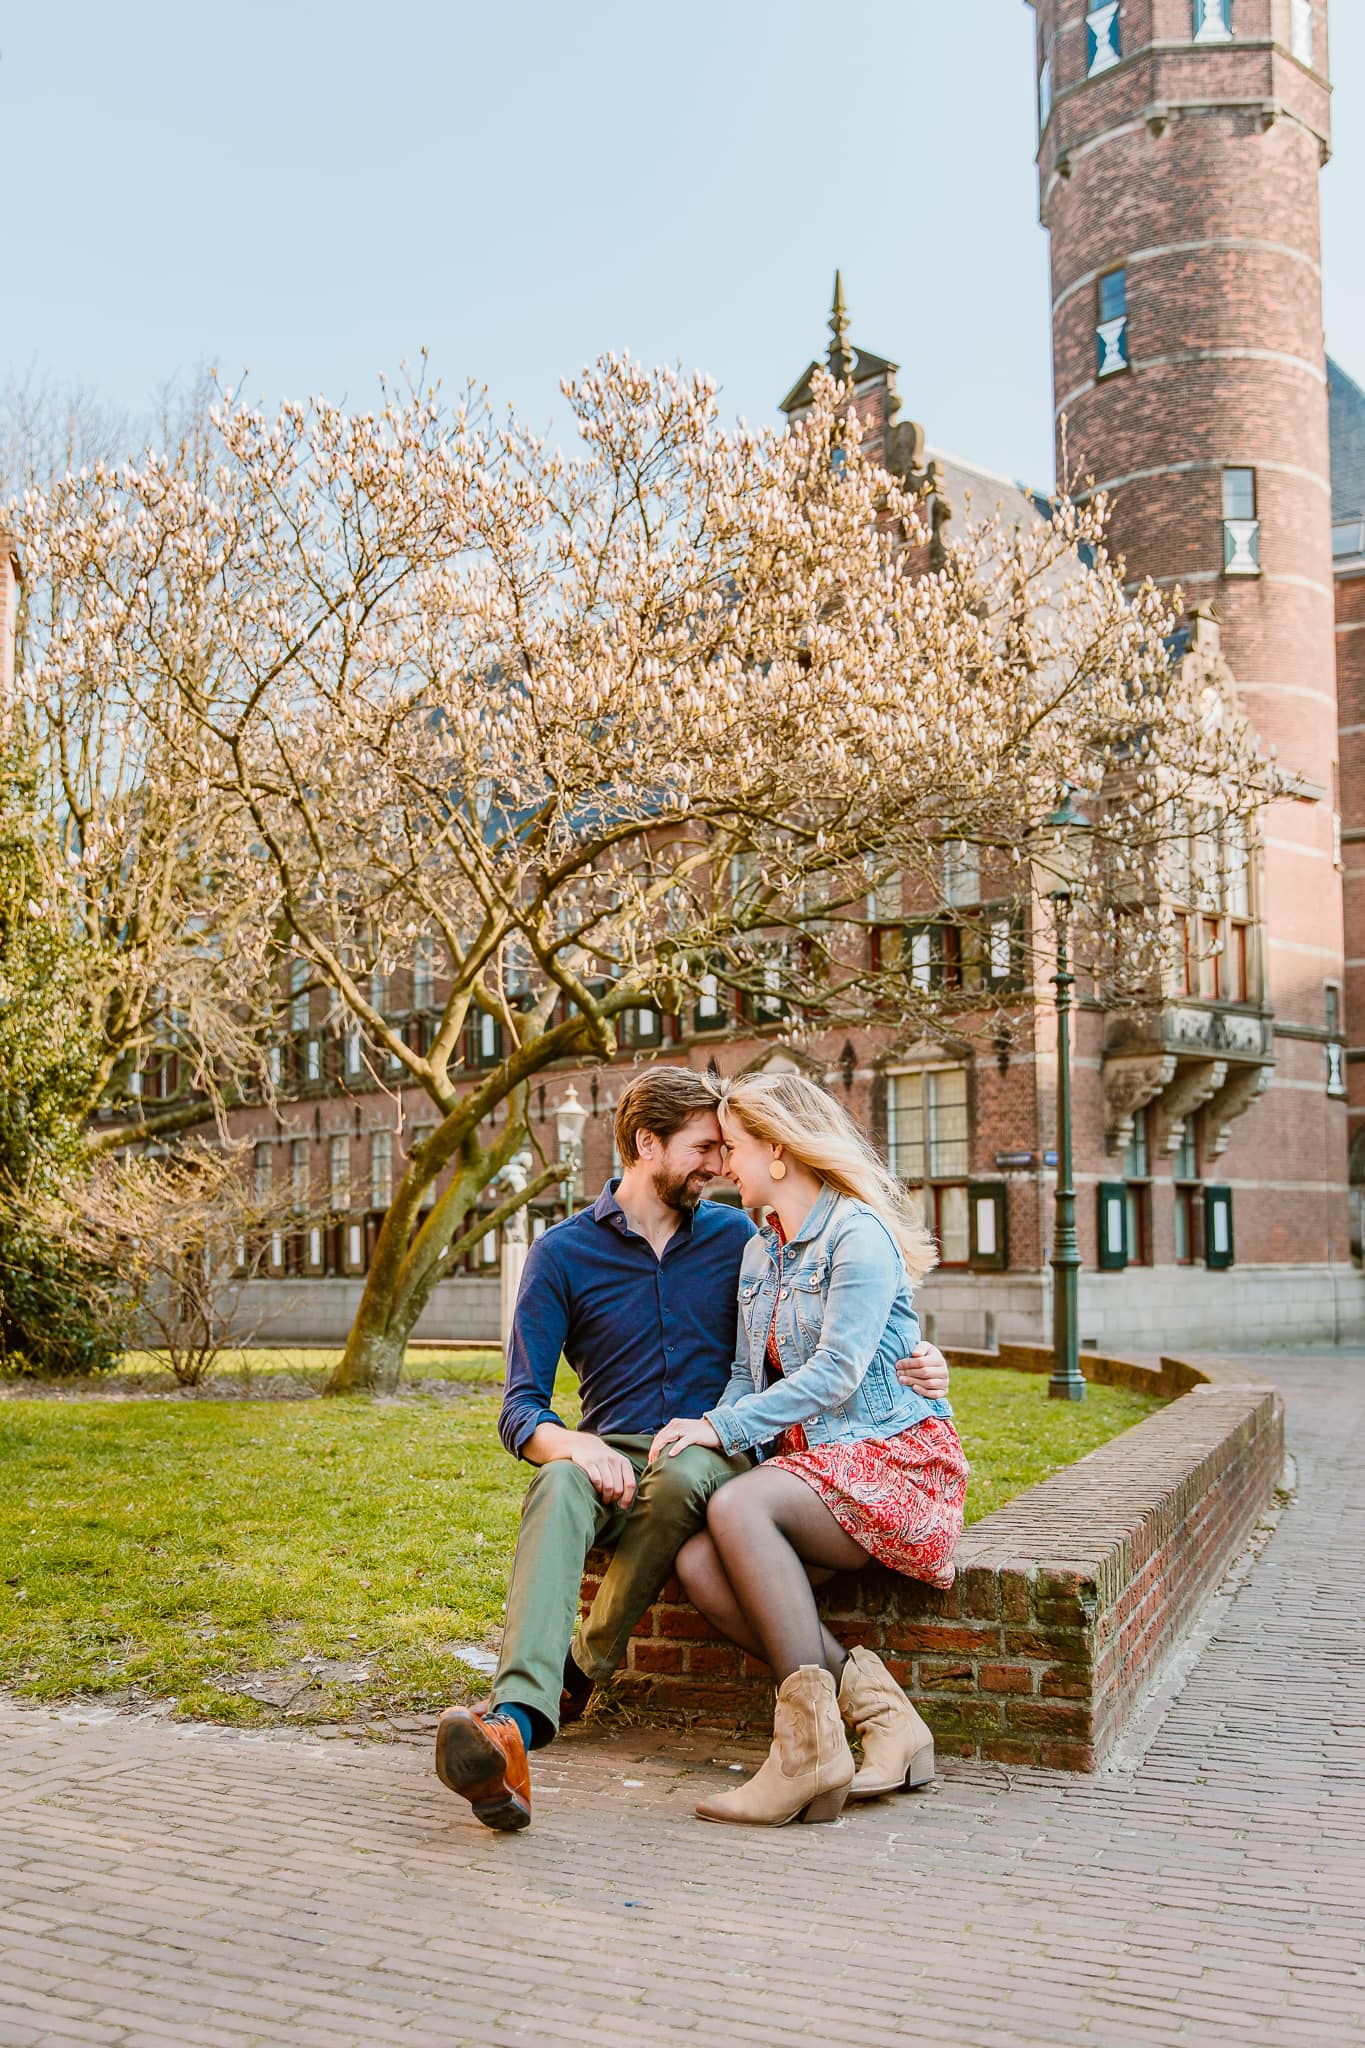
989	1246
1218	1247
1113	1230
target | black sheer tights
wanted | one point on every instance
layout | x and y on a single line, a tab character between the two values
749	1571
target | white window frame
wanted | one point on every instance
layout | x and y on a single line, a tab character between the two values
1301	30
300	996
339	1170
1103	37
961	874
1242	536
423	975
381	1169
928	1169
1111	336
1212	21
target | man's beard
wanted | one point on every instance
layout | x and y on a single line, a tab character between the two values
680	1191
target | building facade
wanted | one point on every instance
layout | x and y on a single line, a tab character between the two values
1180	147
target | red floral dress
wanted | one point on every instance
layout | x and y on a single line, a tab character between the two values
902	1497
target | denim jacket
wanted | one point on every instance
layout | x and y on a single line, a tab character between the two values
843	1318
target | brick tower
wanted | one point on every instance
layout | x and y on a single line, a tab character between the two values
1180	147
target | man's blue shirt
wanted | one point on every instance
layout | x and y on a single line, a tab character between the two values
649	1338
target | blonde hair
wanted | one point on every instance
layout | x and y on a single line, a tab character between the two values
789	1110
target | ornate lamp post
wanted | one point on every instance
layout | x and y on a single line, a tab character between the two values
1064	866
570	1118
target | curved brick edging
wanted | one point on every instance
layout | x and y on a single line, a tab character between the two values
1069	1599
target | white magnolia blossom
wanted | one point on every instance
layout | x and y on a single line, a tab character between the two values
595	726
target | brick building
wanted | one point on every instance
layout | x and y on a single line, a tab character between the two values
1347	408
1180	145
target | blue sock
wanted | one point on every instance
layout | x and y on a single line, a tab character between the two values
520	1719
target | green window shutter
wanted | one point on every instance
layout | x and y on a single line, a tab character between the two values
988	1209
1218	1248
1113	1226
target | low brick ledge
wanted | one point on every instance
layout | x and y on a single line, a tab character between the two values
1069	1599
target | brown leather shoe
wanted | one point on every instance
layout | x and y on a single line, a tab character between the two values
485	1762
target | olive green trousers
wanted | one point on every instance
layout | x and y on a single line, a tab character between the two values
564	1517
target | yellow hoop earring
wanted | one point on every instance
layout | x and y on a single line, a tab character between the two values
778	1169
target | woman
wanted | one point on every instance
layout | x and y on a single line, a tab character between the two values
862	1466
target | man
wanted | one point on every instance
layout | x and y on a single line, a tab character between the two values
640	1294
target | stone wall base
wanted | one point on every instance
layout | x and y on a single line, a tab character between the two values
1154	1308
463	1311
1069	1600
1145	1309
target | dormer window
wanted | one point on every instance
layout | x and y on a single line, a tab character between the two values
1103	48
1111	323
1213	21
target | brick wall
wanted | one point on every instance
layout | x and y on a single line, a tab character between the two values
1195	168
1350	610
1068	1601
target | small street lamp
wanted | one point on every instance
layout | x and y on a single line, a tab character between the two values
1063	867
570	1118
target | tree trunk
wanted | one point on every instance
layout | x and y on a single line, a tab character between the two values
413	1254
373	1359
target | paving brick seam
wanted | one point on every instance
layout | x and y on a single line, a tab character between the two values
337	1894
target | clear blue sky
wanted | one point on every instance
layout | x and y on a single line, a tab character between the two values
314	189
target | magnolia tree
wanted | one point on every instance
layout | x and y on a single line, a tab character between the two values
688	710
128	577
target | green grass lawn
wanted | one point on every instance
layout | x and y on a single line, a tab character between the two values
293	1370
155	1549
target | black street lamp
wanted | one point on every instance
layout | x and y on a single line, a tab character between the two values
1064	866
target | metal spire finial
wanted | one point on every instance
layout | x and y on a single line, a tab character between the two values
840	360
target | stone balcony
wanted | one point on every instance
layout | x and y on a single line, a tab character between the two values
1181	1056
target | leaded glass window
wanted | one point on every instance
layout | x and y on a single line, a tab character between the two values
1111	325
1212	21
1103	47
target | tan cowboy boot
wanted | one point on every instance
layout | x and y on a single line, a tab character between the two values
809	1767
898	1748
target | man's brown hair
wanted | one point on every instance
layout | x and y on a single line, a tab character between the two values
661	1099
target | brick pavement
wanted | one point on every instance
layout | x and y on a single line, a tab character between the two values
163	1884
